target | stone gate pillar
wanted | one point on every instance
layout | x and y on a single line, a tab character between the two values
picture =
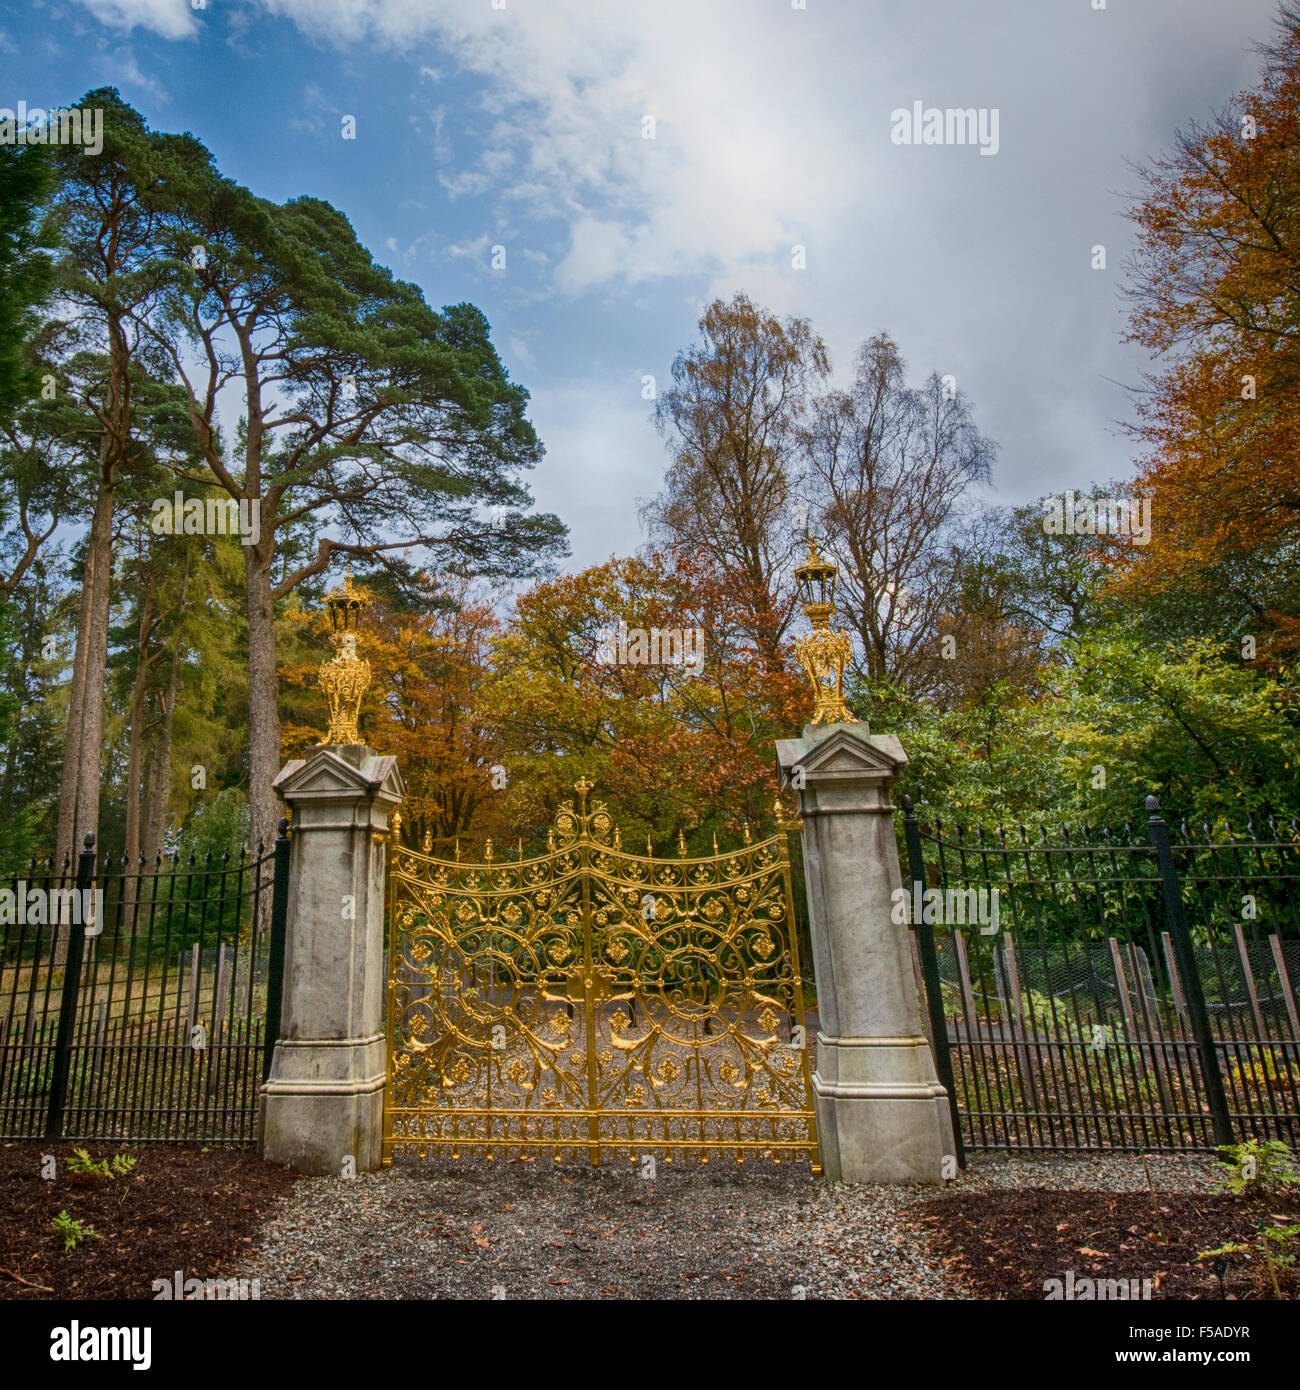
882	1115
323	1102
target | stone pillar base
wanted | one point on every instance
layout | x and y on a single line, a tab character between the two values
882	1116
324	1106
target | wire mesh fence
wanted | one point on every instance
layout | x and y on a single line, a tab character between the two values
134	999
1112	988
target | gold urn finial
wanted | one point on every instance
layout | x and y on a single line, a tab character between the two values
824	653
346	678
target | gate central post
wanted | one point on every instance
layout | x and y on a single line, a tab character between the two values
323	1103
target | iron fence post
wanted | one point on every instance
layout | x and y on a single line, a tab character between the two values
1192	991
933	985
275	960
71	990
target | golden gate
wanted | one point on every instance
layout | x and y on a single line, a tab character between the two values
591	999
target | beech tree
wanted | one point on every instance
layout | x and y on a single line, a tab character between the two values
678	749
1215	294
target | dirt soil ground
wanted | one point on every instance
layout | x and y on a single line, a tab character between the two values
539	1230
1008	1244
180	1208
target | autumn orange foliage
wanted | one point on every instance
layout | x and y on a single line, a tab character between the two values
1217	293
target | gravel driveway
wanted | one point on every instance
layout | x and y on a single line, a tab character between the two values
510	1229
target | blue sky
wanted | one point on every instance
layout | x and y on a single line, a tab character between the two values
523	126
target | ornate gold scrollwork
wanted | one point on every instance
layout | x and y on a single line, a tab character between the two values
591	999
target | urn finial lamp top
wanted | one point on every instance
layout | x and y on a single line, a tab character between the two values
344	605
824	653
346	678
816	580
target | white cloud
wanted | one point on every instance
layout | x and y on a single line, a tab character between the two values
474	249
519	353
730	167
602	455
127	73
772	128
172	19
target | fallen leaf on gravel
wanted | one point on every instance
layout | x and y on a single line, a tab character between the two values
1097	1254
482	1241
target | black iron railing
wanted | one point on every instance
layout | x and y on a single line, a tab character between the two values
134	999
1111	989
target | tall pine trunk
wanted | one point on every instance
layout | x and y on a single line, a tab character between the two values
135	747
160	768
263	710
71	739
90	735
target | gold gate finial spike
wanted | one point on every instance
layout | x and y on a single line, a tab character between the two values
649	848
681	843
618	838
715	842
582	787
748	837
487	851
